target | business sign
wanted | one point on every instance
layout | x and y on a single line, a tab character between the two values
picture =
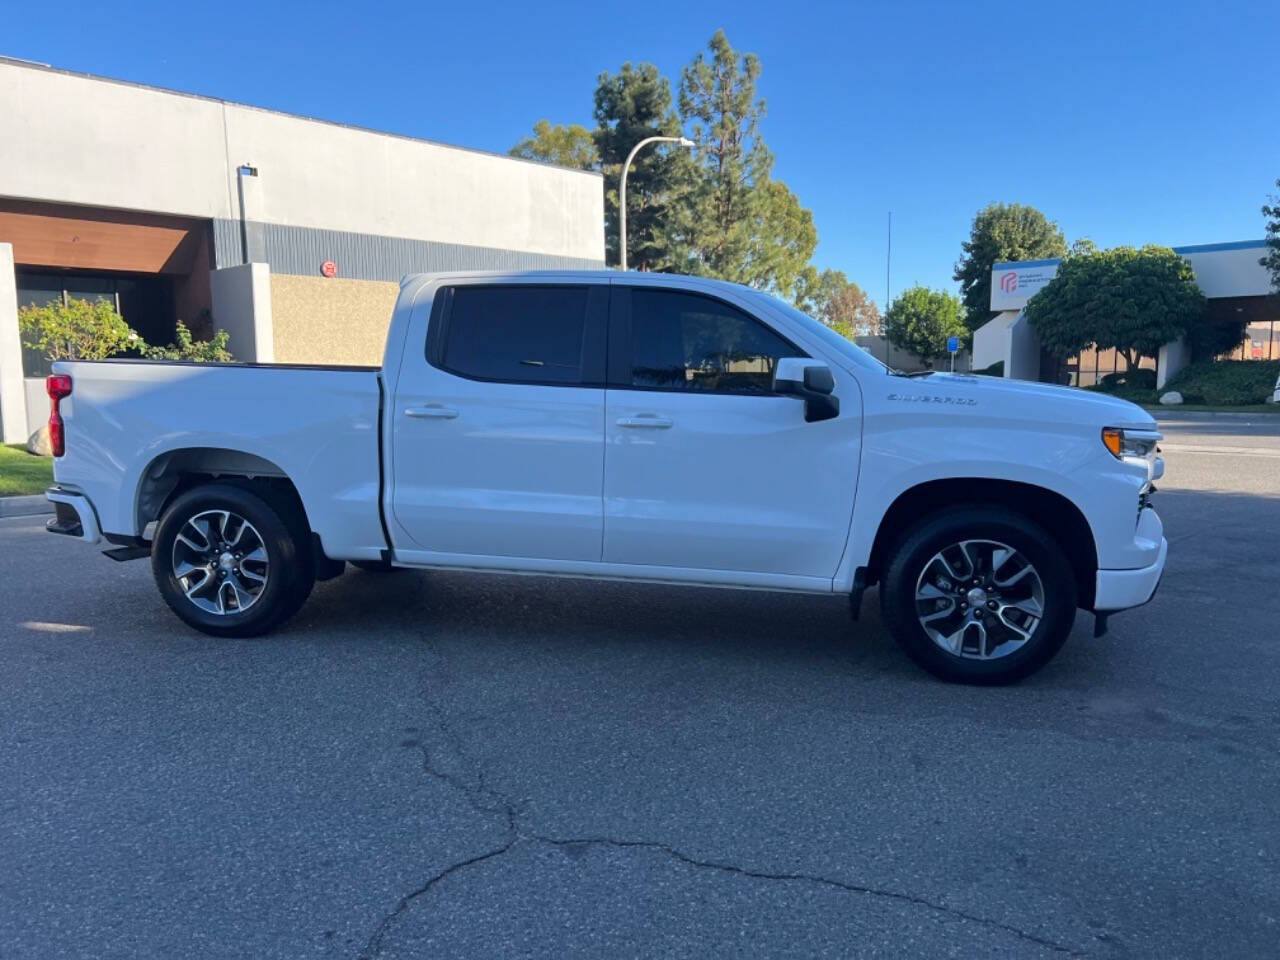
1013	284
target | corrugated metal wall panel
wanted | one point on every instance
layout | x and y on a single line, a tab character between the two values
228	250
301	251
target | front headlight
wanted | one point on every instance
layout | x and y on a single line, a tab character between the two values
1130	443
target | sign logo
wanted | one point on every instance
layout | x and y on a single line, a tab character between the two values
329	268
1009	282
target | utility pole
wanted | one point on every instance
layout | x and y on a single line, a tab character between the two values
888	259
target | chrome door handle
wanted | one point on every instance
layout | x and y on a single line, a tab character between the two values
654	423
434	411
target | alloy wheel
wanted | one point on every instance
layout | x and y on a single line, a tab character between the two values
979	599
220	562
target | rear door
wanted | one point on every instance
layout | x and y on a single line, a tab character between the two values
498	422
706	467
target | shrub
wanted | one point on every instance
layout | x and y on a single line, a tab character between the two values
1132	394
76	330
199	351
1227	383
995	370
1136	386
1139	379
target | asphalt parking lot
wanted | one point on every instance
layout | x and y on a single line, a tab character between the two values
447	765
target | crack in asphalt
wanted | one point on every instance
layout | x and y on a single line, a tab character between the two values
803	878
374	946
487	801
474	788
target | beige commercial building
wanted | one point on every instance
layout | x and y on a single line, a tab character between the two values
1237	290
290	233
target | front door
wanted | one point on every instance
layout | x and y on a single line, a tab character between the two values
497	424
705	466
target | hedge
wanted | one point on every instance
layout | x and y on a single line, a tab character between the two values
1227	383
1221	383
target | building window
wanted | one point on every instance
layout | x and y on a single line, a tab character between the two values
144	300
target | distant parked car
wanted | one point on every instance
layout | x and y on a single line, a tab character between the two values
630	426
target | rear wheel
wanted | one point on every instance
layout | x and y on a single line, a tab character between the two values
979	595
229	562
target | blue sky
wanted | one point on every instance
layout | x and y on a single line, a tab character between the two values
1127	122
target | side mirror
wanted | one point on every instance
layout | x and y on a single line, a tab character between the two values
812	382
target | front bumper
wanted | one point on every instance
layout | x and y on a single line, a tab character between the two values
1121	589
74	515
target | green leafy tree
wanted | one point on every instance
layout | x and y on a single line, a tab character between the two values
782	241
1132	300
718	102
921	320
1000	232
817	290
742	226
631	105
716	212
1272	259
840	304
1210	340
567	145
76	330
1082	246
185	347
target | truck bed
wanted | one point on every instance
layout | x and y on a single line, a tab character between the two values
127	421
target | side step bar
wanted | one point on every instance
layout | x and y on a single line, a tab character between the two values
122	554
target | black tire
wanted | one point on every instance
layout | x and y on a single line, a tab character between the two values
375	566
290	573
922	542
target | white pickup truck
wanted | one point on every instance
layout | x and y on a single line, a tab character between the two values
633	426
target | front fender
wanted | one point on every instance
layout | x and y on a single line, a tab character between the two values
903	452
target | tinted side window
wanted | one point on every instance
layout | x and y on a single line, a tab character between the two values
526	334
682	341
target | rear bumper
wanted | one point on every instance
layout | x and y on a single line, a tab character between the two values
1121	589
74	515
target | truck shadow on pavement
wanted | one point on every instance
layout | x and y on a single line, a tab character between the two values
523	612
1216	538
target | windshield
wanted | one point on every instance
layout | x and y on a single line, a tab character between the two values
842	345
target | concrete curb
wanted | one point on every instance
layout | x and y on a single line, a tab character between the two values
24	506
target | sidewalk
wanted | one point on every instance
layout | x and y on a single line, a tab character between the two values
1208	416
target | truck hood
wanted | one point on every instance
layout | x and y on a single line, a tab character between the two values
1023	399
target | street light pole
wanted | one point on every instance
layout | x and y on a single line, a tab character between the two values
622	190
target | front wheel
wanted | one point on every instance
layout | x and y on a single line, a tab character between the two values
229	563
979	595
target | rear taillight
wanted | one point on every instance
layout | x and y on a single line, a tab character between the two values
58	386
